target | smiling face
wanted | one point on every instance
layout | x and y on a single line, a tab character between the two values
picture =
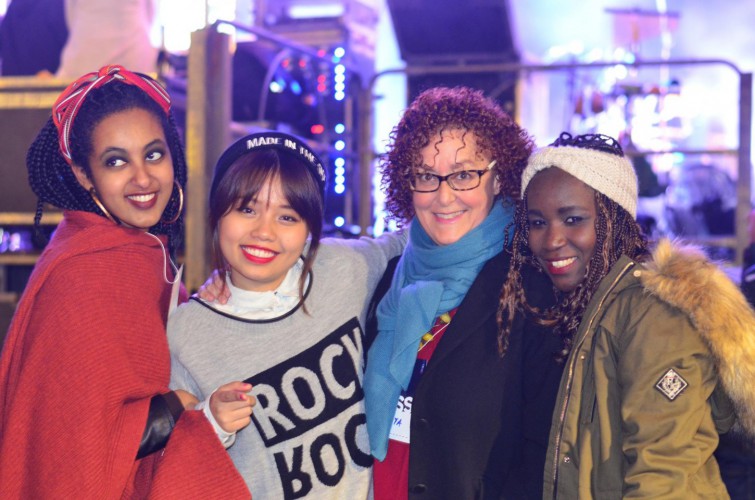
561	214
447	215
262	240
131	167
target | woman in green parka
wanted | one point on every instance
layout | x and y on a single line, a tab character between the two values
659	347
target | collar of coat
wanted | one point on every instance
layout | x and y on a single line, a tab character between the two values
684	277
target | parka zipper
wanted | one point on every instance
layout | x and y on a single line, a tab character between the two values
570	379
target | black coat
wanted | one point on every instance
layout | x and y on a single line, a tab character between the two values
468	431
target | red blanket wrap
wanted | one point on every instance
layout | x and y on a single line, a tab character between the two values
84	354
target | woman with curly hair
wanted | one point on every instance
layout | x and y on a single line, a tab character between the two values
656	344
436	389
85	409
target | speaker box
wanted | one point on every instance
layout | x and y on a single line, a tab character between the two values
445	32
443	29
25	106
18	129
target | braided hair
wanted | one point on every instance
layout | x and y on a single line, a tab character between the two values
617	234
52	179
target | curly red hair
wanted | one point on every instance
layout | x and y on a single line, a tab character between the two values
440	109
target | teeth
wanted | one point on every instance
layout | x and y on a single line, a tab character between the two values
448	216
258	252
562	263
141	197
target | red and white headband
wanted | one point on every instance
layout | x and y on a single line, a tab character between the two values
69	102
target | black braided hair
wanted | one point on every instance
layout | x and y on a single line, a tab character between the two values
52	179
598	142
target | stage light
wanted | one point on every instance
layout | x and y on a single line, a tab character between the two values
319	11
339	188
340	128
339	145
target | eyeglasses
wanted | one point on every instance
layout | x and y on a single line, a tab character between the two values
463	180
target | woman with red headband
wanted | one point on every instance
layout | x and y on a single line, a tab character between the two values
84	398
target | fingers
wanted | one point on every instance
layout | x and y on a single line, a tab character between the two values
233	419
221	291
214	289
223	295
207	291
232	406
236	386
234	398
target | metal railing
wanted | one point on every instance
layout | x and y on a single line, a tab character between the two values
743	151
208	124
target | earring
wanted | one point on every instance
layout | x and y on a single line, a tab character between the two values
180	203
99	204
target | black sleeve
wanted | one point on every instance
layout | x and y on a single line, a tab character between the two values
539	378
370	326
164	410
506	453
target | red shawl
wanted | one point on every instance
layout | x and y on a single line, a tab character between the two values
83	356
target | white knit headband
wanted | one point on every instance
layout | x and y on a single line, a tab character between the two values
606	173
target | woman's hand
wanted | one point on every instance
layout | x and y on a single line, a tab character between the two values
232	406
214	289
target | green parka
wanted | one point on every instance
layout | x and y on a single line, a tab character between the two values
663	362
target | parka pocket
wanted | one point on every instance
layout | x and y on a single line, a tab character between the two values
589	401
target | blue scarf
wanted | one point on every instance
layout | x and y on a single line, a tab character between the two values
430	280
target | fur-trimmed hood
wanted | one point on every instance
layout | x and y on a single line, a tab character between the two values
684	277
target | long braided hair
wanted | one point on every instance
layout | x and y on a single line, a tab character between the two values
617	234
53	181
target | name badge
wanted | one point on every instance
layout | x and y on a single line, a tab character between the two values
402	419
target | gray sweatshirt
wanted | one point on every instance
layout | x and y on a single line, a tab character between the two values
308	435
